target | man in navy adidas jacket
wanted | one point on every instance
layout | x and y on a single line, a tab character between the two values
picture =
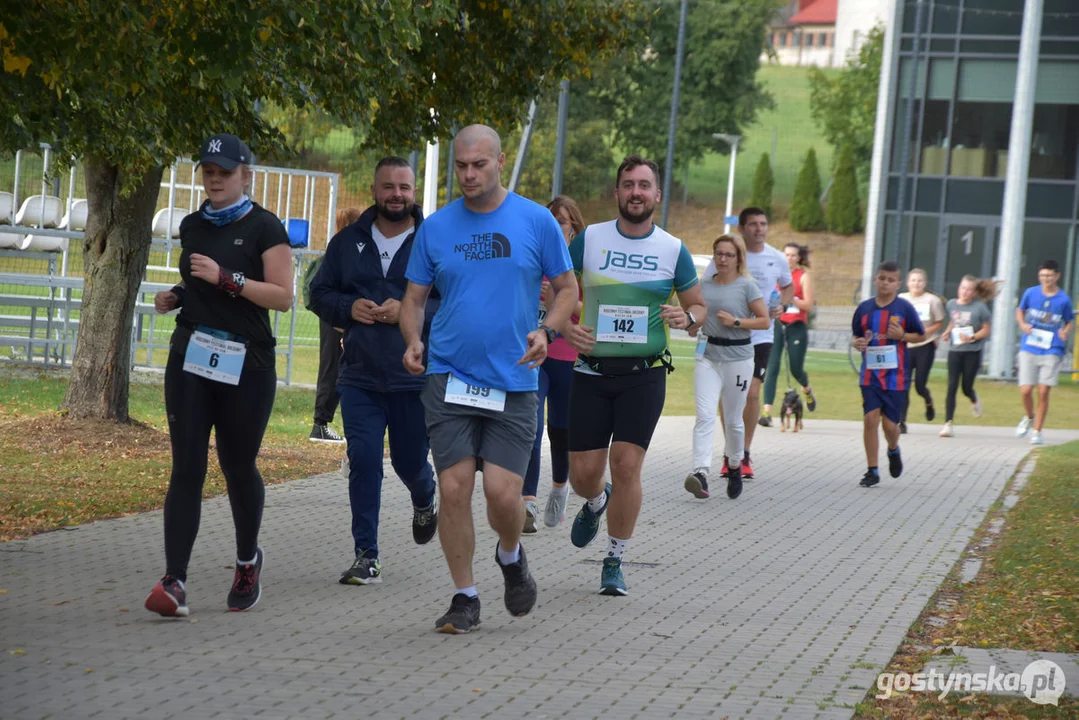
359	288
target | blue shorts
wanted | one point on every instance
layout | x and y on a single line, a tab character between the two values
889	402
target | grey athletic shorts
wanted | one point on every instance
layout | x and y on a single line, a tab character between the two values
456	432
1039	369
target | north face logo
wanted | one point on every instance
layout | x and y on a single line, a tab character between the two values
485	246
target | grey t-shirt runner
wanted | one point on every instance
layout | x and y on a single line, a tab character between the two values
970	318
734	297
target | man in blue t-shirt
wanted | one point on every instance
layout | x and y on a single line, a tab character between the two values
486	254
881	328
1046	317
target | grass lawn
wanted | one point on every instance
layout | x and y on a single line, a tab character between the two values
1026	597
795	134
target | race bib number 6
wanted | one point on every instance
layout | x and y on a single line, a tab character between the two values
622	324
214	358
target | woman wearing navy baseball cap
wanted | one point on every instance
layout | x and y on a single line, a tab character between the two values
236	265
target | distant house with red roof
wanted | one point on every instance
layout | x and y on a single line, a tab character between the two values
822	32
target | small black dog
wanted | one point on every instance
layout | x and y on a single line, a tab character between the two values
791	412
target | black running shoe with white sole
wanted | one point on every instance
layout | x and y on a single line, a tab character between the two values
520	587
247	586
462	617
870	479
364	571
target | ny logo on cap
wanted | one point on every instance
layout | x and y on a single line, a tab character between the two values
215	146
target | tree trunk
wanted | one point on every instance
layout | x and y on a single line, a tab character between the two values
115	252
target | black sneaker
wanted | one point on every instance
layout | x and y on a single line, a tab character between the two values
246	588
364	571
734	483
424	523
520	587
902	428
697	483
870	479
168	598
895	464
765	421
320	432
930	413
463	615
811	401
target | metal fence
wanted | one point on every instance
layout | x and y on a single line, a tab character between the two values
41	283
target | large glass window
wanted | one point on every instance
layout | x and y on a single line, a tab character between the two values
983	117
1045	200
1005	17
1061	19
934	83
924	247
975	197
1043	241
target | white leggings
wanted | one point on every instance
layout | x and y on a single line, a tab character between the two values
715	381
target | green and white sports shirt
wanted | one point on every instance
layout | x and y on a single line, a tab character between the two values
625	280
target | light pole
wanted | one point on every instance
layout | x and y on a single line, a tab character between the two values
731	140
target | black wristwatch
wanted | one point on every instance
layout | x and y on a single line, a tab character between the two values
738	322
692	320
551	334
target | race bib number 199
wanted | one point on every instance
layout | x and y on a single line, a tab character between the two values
214	358
459	392
622	324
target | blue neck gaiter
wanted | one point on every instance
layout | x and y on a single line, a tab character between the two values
228	214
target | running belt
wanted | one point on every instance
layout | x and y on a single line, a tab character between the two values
728	341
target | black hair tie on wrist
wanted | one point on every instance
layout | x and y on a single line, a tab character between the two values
230	282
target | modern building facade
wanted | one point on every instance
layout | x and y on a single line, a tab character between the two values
966	85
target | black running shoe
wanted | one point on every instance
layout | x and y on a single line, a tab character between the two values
520	587
364	571
246	588
811	401
930	413
168	598
734	483
424	523
765	421
870	479
902	428
463	615
895	464
697	483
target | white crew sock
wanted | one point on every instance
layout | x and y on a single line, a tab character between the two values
470	591
508	558
617	547
598	503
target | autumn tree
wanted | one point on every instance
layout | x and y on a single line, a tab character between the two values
129	86
719	88
844	104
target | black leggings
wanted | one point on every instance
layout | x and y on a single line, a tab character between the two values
238	414
921	364
961	365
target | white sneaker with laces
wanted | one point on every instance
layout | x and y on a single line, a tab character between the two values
947	431
1036	438
1024	426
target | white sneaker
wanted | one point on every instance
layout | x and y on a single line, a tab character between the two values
531	513
947	431
1023	426
976	408
1035	438
345	467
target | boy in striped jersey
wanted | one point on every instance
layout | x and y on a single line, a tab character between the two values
881	328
